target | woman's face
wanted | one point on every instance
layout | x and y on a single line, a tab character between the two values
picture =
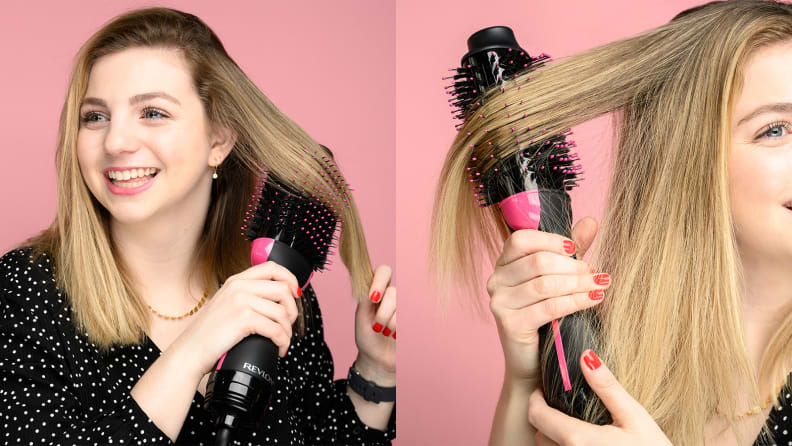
760	165
143	146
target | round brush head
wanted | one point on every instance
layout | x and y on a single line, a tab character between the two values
547	166
493	56
296	218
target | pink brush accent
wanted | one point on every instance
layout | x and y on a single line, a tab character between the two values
308	281
561	357
522	211
260	250
220	363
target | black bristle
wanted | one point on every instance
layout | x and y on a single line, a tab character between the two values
284	214
547	165
480	71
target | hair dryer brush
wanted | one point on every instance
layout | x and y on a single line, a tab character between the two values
529	181
297	232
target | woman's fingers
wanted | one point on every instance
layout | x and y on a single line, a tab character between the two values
621	405
269	328
523	323
273	311
528	241
546	287
534	265
279	292
380	281
385	312
269	271
392	326
556	425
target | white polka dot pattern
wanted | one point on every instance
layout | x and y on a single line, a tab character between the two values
56	388
779	421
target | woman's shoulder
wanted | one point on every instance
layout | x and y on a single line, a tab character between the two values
21	275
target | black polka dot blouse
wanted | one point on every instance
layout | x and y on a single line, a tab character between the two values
779	421
56	388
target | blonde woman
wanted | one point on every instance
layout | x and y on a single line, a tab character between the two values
691	274
104	334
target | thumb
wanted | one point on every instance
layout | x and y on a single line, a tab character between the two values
621	405
583	235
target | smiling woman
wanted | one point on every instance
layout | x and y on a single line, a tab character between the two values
163	143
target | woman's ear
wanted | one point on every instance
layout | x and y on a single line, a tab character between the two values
222	141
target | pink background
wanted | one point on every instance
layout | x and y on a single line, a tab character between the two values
330	70
451	366
344	59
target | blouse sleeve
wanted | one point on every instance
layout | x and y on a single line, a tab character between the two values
40	402
329	416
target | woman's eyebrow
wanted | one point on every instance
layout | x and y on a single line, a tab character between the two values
134	99
781	107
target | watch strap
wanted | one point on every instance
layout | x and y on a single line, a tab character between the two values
369	390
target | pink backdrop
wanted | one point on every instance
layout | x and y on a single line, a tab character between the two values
451	366
329	66
344	59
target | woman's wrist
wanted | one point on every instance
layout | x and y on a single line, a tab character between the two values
372	371
520	384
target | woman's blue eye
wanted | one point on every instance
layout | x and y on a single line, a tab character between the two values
775	130
148	110
88	117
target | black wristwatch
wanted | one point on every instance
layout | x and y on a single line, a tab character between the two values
368	389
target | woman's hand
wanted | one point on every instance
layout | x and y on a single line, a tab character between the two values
631	423
375	330
535	281
259	300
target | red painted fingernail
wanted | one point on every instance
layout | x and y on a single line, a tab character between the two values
596	294
592	360
377	327
299	291
602	279
394	335
375	296
569	247
386	331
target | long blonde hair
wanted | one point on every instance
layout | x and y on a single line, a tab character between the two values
672	320
106	302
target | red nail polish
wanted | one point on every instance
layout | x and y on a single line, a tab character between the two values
596	294
569	247
592	360
602	279
386	331
394	335
377	327
299	291
375	296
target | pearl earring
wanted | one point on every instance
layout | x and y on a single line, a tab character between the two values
214	175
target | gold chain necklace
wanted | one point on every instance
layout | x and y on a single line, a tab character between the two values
175	318
756	410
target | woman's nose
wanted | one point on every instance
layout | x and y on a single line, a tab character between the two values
121	137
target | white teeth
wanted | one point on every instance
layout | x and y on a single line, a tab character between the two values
130	174
131	184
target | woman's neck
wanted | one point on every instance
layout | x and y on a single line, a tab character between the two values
766	301
160	255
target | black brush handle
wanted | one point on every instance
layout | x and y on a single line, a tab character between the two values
577	333
240	387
